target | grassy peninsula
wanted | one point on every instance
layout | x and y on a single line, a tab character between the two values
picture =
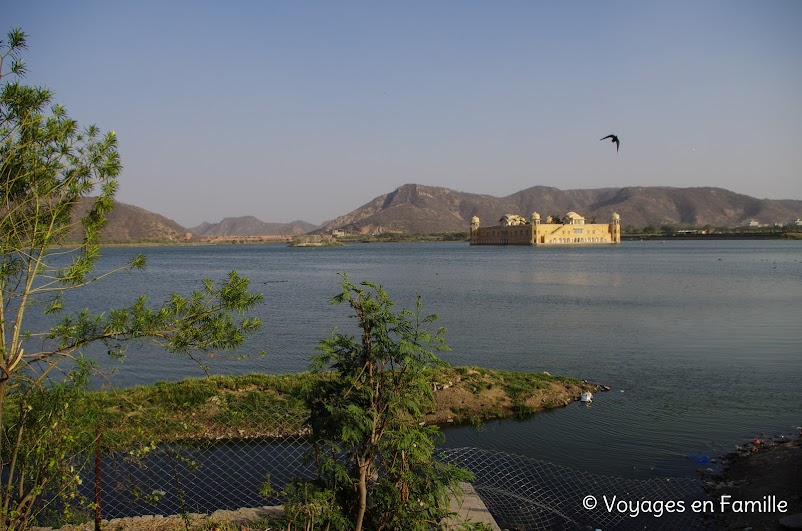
272	406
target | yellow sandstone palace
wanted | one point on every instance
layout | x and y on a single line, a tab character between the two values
570	230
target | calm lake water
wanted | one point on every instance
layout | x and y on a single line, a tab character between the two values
701	342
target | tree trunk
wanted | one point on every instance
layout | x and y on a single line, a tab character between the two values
362	488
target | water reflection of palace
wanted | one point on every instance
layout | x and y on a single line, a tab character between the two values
570	230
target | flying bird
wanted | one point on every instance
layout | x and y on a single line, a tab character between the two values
613	139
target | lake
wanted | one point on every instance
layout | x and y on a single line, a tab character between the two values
700	342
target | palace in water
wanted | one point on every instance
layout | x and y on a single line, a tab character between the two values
570	230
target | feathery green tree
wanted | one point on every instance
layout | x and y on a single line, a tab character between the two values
375	461
48	167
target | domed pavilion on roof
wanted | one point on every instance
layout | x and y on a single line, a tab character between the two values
571	229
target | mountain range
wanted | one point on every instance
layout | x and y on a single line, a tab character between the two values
427	209
416	208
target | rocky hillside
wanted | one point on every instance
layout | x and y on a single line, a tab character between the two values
428	209
131	224
250	226
128	223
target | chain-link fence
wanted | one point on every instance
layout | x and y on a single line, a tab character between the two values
198	478
197	446
196	451
527	494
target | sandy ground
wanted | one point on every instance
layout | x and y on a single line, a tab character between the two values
251	519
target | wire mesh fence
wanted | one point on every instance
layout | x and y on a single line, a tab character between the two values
210	451
197	451
526	494
187	478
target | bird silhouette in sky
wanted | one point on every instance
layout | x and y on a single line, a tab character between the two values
614	139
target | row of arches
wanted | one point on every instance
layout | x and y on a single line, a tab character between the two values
578	240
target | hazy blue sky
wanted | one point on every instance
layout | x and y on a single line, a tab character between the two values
307	110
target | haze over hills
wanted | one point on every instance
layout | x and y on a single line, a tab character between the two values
429	209
251	226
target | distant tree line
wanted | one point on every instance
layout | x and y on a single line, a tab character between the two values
707	229
407	237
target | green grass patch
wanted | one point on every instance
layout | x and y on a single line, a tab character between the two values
522	385
256	405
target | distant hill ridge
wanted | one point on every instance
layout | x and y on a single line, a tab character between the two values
416	208
251	226
428	209
129	223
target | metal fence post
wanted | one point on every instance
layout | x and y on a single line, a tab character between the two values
98	477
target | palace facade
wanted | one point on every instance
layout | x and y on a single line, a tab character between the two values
570	230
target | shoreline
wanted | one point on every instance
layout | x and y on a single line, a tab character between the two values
401	238
766	473
713	237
